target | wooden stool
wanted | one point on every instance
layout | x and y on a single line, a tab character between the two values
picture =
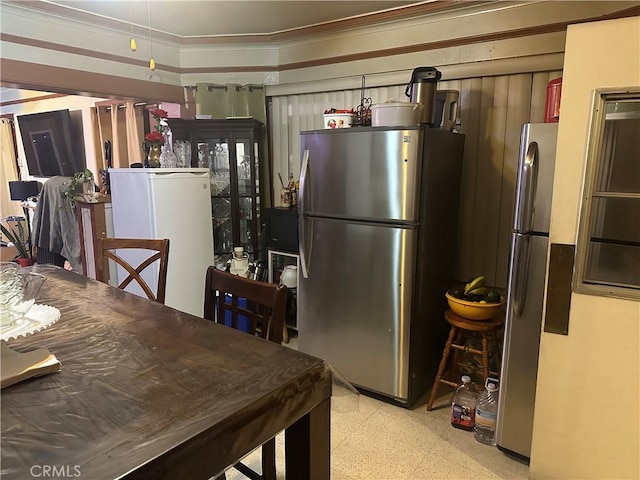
459	325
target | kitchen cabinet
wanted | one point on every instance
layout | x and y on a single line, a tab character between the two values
231	150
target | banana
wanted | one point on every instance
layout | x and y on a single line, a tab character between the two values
477	282
479	291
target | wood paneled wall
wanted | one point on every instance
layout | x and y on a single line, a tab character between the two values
492	111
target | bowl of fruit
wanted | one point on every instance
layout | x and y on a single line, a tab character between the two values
475	300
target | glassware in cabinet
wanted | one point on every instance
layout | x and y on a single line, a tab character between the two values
231	150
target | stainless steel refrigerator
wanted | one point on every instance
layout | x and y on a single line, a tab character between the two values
378	214
527	269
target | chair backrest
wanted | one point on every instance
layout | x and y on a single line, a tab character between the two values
244	304
161	248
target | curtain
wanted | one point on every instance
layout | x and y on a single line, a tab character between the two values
233	100
134	125
123	125
213	100
102	132
97	147
118	142
8	170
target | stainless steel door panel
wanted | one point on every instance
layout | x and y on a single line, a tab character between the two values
354	307
361	174
521	342
535	177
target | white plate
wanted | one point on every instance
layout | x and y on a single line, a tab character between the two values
37	318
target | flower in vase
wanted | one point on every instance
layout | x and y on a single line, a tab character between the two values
154	138
158	114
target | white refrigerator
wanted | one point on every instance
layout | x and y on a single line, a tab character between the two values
173	203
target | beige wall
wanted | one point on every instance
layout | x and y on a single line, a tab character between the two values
587	422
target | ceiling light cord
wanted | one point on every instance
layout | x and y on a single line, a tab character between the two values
132	43
152	62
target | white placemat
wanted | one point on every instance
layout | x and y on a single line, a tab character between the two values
37	318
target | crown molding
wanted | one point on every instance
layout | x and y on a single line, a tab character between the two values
365	20
368	20
329	60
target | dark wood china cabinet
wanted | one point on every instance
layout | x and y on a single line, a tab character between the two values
231	150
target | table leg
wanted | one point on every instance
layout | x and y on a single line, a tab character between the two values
307	445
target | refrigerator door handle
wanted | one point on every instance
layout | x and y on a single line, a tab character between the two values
302	221
529	185
521	273
305	254
304	169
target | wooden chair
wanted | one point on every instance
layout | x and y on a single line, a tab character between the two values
459	328
161	249
257	308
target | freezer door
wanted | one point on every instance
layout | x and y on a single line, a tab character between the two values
521	343
133	217
535	177
182	206
361	174
354	307
173	204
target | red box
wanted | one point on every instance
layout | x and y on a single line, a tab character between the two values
552	107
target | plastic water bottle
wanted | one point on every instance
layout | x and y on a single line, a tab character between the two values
463	405
486	411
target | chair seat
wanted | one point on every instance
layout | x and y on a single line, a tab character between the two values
473	325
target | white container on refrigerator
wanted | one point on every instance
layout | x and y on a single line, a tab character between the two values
173	203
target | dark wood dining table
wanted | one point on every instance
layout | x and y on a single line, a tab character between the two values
149	392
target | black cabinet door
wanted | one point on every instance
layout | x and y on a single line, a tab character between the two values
230	149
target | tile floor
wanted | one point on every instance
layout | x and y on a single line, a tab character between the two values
374	440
